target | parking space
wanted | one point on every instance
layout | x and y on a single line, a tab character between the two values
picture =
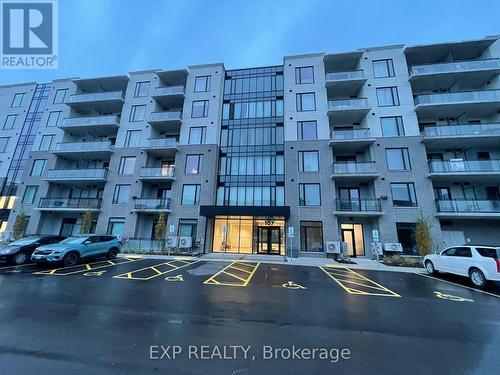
237	273
86	267
158	269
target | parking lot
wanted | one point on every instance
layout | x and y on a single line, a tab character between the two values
104	317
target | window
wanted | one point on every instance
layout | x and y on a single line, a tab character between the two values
197	135
3	143
17	101
137	113
60	96
383	68
191	194
307	130
193	164
311	236
133	138
387	96
46	143
398	159
304	74
403	194
121	194
305	102
392	126
141	89
116	226
127	165
200	108
488	252
309	195
202	84
38	167
53	119
460	251
308	161
9	122
30	194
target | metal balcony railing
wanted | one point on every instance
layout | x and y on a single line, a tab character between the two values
351	134
95	173
152	204
168	90
354	168
84	146
89	120
468	205
462	130
166	116
161	143
459	97
348	104
84	203
345	76
453	166
158	172
359	205
96	97
455	67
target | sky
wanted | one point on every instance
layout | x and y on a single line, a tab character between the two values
114	37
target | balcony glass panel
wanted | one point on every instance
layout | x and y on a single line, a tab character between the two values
350	134
158	172
452	166
161	143
169	90
462	130
354	168
457	66
358	205
341	76
83	146
70	203
466	205
340	104
90	120
96	96
152	204
77	173
166	116
458	97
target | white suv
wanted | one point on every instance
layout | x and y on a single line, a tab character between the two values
479	263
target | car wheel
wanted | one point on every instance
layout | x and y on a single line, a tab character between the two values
429	266
70	259
20	258
112	253
477	278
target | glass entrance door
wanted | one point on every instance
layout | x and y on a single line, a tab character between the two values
352	234
269	240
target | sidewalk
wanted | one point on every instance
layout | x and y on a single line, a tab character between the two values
361	263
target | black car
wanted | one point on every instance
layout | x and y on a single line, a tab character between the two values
19	251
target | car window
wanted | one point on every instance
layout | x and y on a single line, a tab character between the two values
488	252
450	252
74	240
94	239
25	241
463	252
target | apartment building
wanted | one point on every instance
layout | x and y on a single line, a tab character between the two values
351	147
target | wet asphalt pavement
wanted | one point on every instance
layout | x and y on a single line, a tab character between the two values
115	319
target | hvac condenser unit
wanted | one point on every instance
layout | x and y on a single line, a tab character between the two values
185	242
333	247
393	246
172	241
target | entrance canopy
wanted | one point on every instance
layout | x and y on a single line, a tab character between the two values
212	211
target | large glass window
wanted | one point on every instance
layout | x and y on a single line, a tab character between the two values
60	96
38	167
308	161
305	102
307	130
121	194
197	135
9	122
311	236
53	118
403	194
46	143
199	109
3	143
190	194
309	195
141	89
17	101
193	164
304	74
387	96
116	225
383	68
30	194
398	159
254	109
392	126
133	138
202	83
127	165
137	113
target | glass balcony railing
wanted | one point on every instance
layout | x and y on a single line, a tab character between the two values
168	172
84	203
354	168
169	90
468	205
152	204
84	146
345	76
359	205
458	165
348	104
455	67
459	97
96	173
96	97
166	116
351	134
161	143
89	121
462	130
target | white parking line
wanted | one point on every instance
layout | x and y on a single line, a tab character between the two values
460	285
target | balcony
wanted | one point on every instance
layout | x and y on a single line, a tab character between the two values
346	83
152	205
471	73
358	207
468	208
351	140
481	103
84	150
359	172
162	146
75	176
169	96
157	174
110	101
348	111
484	135
166	120
98	125
70	204
487	171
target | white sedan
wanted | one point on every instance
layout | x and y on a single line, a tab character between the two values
479	263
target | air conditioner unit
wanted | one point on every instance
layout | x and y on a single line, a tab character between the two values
333	247
393	246
172	241
185	242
